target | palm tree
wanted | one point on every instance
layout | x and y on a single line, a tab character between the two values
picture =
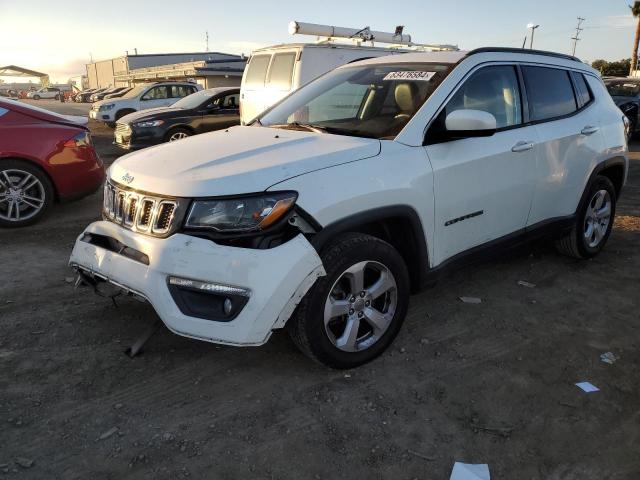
635	10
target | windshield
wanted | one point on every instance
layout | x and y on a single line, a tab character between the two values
194	100
374	101
622	89
135	91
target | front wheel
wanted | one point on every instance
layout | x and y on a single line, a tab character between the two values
177	134
593	223
351	315
36	97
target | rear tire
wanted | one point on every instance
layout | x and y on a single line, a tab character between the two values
36	97
593	223
23	204
348	318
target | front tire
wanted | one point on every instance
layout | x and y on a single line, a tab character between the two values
593	223
26	194
351	315
36	97
176	134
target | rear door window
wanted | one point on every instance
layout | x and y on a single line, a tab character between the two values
549	91
281	70
257	70
180	91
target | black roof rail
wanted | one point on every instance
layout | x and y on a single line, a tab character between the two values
523	51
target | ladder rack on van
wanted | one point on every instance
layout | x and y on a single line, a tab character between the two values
399	40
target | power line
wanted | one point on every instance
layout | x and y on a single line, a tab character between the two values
576	38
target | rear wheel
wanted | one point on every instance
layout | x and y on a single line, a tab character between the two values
351	315
26	193
593	223
36	97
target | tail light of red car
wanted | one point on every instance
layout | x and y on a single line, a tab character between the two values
81	140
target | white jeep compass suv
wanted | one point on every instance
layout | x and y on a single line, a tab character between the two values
141	97
328	210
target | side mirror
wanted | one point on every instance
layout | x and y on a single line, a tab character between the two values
470	123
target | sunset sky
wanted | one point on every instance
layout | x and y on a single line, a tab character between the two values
58	38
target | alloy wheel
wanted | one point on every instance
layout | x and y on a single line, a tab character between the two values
22	195
360	306
597	218
177	136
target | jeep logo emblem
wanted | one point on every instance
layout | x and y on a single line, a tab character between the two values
127	178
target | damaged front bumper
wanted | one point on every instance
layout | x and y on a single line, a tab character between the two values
198	288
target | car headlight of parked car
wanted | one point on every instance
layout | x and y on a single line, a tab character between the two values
241	214
108	106
149	123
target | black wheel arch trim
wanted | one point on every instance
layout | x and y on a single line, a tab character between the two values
417	243
600	167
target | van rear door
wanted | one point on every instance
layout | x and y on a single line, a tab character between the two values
252	91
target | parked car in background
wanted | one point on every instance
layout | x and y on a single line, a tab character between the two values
62	165
626	94
83	97
362	186
99	96
45	92
141	97
119	94
272	73
200	112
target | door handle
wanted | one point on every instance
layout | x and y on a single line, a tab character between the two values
589	130
522	147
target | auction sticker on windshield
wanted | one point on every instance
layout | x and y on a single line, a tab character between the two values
410	75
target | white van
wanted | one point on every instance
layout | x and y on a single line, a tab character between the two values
274	72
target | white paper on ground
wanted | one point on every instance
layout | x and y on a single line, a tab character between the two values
608	357
471	299
469	471
587	387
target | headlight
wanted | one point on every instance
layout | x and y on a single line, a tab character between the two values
243	214
149	123
108	106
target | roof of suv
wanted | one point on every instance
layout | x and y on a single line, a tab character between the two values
457	56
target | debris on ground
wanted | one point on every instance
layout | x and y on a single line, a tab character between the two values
470	471
608	357
471	299
422	456
587	387
24	462
108	433
524	283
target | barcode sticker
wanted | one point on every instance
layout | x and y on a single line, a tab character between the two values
410	75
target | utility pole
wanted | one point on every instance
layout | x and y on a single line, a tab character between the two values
206	36
577	36
533	27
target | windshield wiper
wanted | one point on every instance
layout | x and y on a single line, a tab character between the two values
299	125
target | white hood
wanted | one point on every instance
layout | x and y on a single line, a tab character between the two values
240	160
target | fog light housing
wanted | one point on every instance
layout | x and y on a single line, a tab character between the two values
207	300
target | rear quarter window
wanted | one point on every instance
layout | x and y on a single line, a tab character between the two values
582	89
257	70
549	91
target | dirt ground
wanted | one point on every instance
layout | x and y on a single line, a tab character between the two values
478	383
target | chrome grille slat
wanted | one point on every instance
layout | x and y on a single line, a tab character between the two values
139	212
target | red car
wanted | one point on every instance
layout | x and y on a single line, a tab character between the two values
44	158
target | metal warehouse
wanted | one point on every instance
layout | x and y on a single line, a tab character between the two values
208	68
